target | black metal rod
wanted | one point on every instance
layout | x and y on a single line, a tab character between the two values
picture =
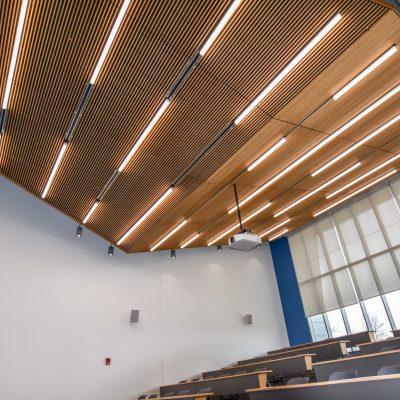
237	206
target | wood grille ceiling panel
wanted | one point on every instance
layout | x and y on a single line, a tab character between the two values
9	11
349	31
60	47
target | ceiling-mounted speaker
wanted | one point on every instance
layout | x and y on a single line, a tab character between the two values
248	319
134	316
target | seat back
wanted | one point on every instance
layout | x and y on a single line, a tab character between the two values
204	390
298	381
389	348
389	370
142	396
152	396
339	375
194	379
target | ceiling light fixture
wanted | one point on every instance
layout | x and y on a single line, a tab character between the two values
110	251
354	181
382	178
190	241
219	248
278	235
91	211
321	144
145	133
289	67
224	20
357	145
176	229
173	253
145	215
286	221
54	170
238	225
371	67
17	41
110	40
266	154
318	189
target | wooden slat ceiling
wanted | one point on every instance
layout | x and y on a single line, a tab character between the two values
59	50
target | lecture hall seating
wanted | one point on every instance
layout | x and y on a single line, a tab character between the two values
366	365
385	387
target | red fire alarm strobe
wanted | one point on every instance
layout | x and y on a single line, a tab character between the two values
108	360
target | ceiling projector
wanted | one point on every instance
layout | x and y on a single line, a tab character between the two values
244	241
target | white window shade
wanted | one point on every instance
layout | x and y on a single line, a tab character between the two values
352	255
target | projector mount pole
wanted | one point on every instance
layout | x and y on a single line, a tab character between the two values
237	206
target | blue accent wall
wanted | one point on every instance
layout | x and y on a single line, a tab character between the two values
295	319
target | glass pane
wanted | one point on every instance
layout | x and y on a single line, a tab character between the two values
330	240
378	318
345	288
355	318
318	327
369	226
336	323
365	280
349	233
393	299
389	214
387	273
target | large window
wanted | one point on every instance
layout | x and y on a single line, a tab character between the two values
348	265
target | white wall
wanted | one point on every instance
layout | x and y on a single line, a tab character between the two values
64	307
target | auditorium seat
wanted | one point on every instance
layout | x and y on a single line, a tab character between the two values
142	397
152	396
298	381
204	390
389	348
340	375
389	370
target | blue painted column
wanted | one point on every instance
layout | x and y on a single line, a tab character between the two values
295	319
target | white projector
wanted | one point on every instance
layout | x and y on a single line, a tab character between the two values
244	241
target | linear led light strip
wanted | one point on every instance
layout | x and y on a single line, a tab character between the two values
372	171
190	241
10	77
232	8
380	60
286	230
176	229
371	67
289	67
318	189
85	97
357	145
321	144
266	154
382	178
238	225
145	215
286	221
